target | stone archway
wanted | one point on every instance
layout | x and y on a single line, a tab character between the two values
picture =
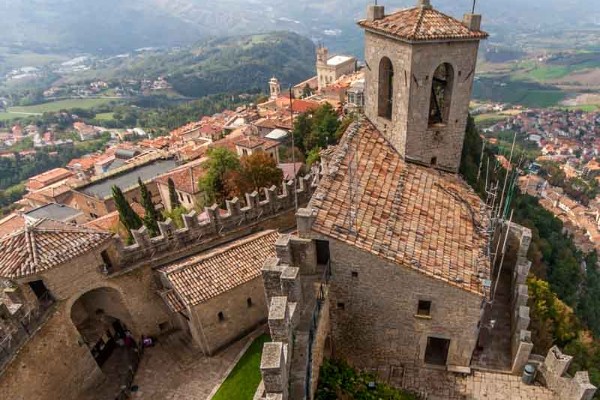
101	319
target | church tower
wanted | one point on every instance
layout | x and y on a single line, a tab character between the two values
419	77
274	88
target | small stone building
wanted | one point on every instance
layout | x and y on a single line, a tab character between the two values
218	296
330	69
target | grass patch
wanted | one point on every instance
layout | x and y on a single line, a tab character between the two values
489	118
58	105
105	116
242	382
548	73
582	107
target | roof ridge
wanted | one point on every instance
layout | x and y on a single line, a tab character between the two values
419	22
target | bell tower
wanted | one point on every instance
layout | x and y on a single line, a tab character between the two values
419	77
274	88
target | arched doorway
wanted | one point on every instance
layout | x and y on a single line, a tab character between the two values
102	321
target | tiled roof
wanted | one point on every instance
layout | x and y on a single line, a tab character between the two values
11	223
416	216
44	245
203	277
251	142
422	24
185	177
173	301
47	178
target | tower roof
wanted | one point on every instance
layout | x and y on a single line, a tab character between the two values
420	24
45	244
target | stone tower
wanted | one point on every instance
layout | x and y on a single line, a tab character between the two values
274	88
419	77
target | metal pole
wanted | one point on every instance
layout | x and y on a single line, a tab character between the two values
481	160
293	152
503	253
500	205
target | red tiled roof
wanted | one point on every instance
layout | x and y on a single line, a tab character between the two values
252	142
47	178
185	177
415	216
201	278
110	221
44	245
11	223
422	24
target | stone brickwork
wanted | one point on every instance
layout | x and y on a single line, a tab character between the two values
373	312
414	65
239	316
552	373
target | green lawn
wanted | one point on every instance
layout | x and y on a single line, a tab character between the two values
583	107
489	119
54	106
551	72
242	382
105	116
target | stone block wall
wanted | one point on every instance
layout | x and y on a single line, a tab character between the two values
552	373
374	304
519	238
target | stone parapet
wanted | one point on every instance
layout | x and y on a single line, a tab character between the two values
551	373
196	233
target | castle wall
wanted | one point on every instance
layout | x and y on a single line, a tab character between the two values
52	365
212	333
373	314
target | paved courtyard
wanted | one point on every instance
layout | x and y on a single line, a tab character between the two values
173	369
440	385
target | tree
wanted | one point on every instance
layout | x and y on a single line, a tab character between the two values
173	199
256	171
127	216
221	163
151	216
318	128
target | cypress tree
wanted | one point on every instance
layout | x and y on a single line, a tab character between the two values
127	216
151	217
173	199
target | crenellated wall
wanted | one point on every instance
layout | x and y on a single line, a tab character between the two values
173	243
552	373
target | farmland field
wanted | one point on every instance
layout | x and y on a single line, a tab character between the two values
54	106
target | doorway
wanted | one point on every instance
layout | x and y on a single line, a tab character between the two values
436	352
322	251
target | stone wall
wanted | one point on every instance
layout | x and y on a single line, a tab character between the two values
552	373
53	364
373	313
414	65
239	318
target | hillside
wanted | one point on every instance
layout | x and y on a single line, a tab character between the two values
73	25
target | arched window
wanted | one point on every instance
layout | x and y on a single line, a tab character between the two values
441	94
386	88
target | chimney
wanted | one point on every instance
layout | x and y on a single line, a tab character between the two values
424	3
472	21
375	12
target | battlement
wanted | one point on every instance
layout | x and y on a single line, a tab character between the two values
198	234
553	374
296	288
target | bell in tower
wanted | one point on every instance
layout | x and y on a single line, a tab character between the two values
419	77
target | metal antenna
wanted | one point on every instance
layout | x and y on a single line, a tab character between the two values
474	4
501	205
503	254
481	161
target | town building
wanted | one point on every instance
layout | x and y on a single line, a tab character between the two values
330	69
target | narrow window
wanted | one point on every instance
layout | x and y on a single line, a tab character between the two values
433	160
341	306
386	88
221	316
441	94
188	198
249	302
424	308
354	274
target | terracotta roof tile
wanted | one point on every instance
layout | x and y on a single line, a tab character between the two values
203	277
422	24
44	245
416	216
251	142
